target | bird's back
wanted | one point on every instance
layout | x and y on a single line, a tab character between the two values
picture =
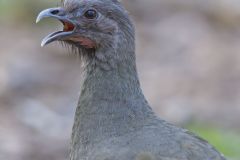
156	141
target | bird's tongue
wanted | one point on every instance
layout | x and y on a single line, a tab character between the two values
68	26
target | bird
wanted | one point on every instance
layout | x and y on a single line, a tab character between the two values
113	119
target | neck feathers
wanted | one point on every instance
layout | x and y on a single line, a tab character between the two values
111	78
111	101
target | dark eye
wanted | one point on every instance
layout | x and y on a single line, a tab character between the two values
90	14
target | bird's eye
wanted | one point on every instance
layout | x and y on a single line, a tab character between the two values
90	14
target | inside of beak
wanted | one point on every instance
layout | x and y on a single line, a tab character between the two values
67	26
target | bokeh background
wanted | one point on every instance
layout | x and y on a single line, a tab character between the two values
188	56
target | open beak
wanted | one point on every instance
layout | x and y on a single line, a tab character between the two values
68	25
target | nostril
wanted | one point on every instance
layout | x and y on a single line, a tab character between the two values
54	12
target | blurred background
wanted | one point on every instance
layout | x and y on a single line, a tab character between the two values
188	57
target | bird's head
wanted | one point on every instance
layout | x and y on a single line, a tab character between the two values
91	25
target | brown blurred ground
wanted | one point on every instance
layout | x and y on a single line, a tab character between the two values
188	60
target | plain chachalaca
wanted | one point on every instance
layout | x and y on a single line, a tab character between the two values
113	120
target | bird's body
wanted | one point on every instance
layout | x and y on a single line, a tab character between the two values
113	120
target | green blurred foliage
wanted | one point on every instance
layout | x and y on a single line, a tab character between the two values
226	141
23	11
